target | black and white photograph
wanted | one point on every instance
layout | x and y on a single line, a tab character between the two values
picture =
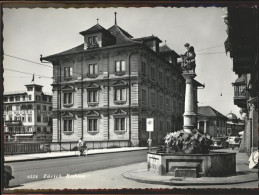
130	98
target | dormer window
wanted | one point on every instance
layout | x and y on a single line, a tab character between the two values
68	72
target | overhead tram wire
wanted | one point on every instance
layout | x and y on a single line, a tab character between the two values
28	61
210	47
210	53
27	73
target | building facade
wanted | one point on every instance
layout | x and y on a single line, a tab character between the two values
211	121
242	44
27	115
235	126
105	88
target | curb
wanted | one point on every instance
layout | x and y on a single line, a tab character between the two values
185	182
72	155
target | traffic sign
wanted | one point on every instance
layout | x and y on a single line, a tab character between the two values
150	124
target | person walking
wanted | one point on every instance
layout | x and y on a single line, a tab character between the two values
80	146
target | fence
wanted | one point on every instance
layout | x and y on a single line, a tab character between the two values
12	148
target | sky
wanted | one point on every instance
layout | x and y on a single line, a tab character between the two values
28	33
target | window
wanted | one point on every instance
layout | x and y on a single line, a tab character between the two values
95	39
68	72
10	117
5	99
44	98
44	108
38	129
144	68
29	97
174	105
23	97
153	99
29	88
160	75
17	98
120	66
23	118
68	98
120	124
9	108
161	100
29	118
144	96
92	125
144	124
11	99
29	107
153	73
38	107
167	103
174	84
93	69
167	80
120	95
92	96
90	40
168	126
17	107
38	89
50	99
39	118
45	119
15	118
161	126
50	108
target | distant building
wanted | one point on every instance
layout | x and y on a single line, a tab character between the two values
242	44
234	125
27	115
105	88
211	121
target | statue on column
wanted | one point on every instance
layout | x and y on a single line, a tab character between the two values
188	59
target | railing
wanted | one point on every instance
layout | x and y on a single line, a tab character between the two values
13	148
240	91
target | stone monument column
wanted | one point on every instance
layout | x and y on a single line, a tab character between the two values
189	112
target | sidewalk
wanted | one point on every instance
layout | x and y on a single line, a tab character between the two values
49	155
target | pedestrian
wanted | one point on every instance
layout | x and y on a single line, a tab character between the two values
80	146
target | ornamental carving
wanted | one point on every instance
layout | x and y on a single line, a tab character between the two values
92	132
119	132
91	75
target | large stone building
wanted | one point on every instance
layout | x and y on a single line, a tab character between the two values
105	88
27	115
212	122
242	44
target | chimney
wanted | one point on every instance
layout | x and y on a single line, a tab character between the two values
115	13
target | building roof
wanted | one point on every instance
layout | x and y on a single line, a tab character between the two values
93	29
121	35
14	93
148	38
164	48
231	116
33	84
209	112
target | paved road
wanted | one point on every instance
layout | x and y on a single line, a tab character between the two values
31	171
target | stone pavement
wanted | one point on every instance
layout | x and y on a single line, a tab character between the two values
113	178
49	155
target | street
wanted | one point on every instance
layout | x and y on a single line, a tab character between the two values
31	171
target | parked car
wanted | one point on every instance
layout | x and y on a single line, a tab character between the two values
219	142
234	141
7	175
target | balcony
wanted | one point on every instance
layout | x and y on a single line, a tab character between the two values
240	92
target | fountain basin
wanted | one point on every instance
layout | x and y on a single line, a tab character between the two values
214	164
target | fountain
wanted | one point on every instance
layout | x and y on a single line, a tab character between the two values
187	151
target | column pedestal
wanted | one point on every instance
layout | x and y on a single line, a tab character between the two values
189	113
